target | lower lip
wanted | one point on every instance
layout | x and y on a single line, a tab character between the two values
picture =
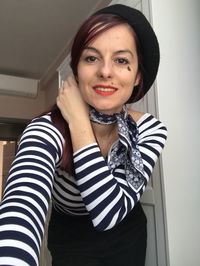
105	93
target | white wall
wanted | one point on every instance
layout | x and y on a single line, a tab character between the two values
177	23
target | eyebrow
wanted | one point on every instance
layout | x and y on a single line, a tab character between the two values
124	51
115	53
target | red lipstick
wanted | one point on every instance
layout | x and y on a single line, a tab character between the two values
104	90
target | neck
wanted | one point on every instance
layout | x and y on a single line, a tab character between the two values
105	126
105	136
103	131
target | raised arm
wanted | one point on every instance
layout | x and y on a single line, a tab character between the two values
27	194
108	195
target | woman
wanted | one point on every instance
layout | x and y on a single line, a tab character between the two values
91	153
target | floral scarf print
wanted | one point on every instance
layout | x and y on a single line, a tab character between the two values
125	151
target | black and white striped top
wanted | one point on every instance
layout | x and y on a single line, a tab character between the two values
35	178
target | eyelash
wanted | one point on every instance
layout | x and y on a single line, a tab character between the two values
125	61
90	58
120	60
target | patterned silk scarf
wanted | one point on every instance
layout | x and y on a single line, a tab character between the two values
125	151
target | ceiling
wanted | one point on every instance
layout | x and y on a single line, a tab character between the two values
36	33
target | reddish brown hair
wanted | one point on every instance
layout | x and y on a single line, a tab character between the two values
90	29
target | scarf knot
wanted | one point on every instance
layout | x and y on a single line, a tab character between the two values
125	151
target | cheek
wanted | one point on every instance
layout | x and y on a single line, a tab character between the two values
127	78
84	74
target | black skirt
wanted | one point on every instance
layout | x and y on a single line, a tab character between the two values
73	241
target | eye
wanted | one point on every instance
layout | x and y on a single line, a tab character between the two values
91	59
122	61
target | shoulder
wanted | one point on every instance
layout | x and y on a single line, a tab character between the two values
148	124
44	121
42	136
43	126
135	115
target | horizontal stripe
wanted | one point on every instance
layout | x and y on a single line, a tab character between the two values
12	261
96	190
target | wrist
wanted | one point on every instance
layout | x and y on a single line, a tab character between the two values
81	133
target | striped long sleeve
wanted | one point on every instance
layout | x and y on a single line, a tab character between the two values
107	195
96	190
27	193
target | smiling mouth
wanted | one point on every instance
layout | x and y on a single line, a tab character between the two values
104	90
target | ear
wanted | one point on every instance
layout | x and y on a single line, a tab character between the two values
137	79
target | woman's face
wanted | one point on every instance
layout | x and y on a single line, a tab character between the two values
108	70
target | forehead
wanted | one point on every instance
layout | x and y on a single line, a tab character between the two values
118	36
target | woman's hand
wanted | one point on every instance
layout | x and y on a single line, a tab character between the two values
76	112
71	103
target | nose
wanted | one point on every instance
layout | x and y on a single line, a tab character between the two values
105	70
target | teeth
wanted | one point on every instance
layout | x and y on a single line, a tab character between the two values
104	89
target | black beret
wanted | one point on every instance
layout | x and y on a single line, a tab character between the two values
147	40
